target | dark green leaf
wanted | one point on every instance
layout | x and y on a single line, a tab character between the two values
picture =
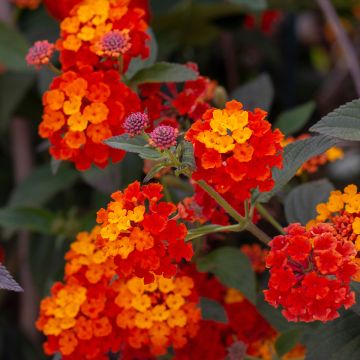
287	341
105	180
295	154
336	340
256	5
342	123
232	267
212	310
13	87
41	185
164	72
355	286
13	48
137	64
33	219
291	121
7	282
300	204
135	144
257	93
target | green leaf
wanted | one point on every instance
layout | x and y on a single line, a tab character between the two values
355	286
337	340
212	310
41	185
7	282
287	341
13	87
13	48
153	171
33	219
232	267
296	154
255	5
342	123
135	144
300	204
257	93
137	64
104	180
164	72
295	119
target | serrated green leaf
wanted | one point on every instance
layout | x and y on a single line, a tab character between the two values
13	48
7	282
164	72
300	203
232	267
256	5
287	341
41	185
296	154
295	119
212	310
336	340
33	219
137	145
342	123
257	93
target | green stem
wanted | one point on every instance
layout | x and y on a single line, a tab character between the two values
54	69
221	201
210	229
253	229
267	216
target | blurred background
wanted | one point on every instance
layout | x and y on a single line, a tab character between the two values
281	55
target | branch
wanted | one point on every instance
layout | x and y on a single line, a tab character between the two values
343	40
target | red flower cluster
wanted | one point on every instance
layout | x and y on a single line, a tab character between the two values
310	272
137	232
214	340
235	150
167	103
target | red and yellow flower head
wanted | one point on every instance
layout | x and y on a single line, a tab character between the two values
137	231
82	109
310	272
235	150
93	23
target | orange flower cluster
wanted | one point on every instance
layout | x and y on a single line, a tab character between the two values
312	165
137	232
343	211
88	102
235	150
94	312
27	4
90	20
82	109
158	314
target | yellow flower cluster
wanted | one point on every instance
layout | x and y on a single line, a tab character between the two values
62	309
160	309
227	129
